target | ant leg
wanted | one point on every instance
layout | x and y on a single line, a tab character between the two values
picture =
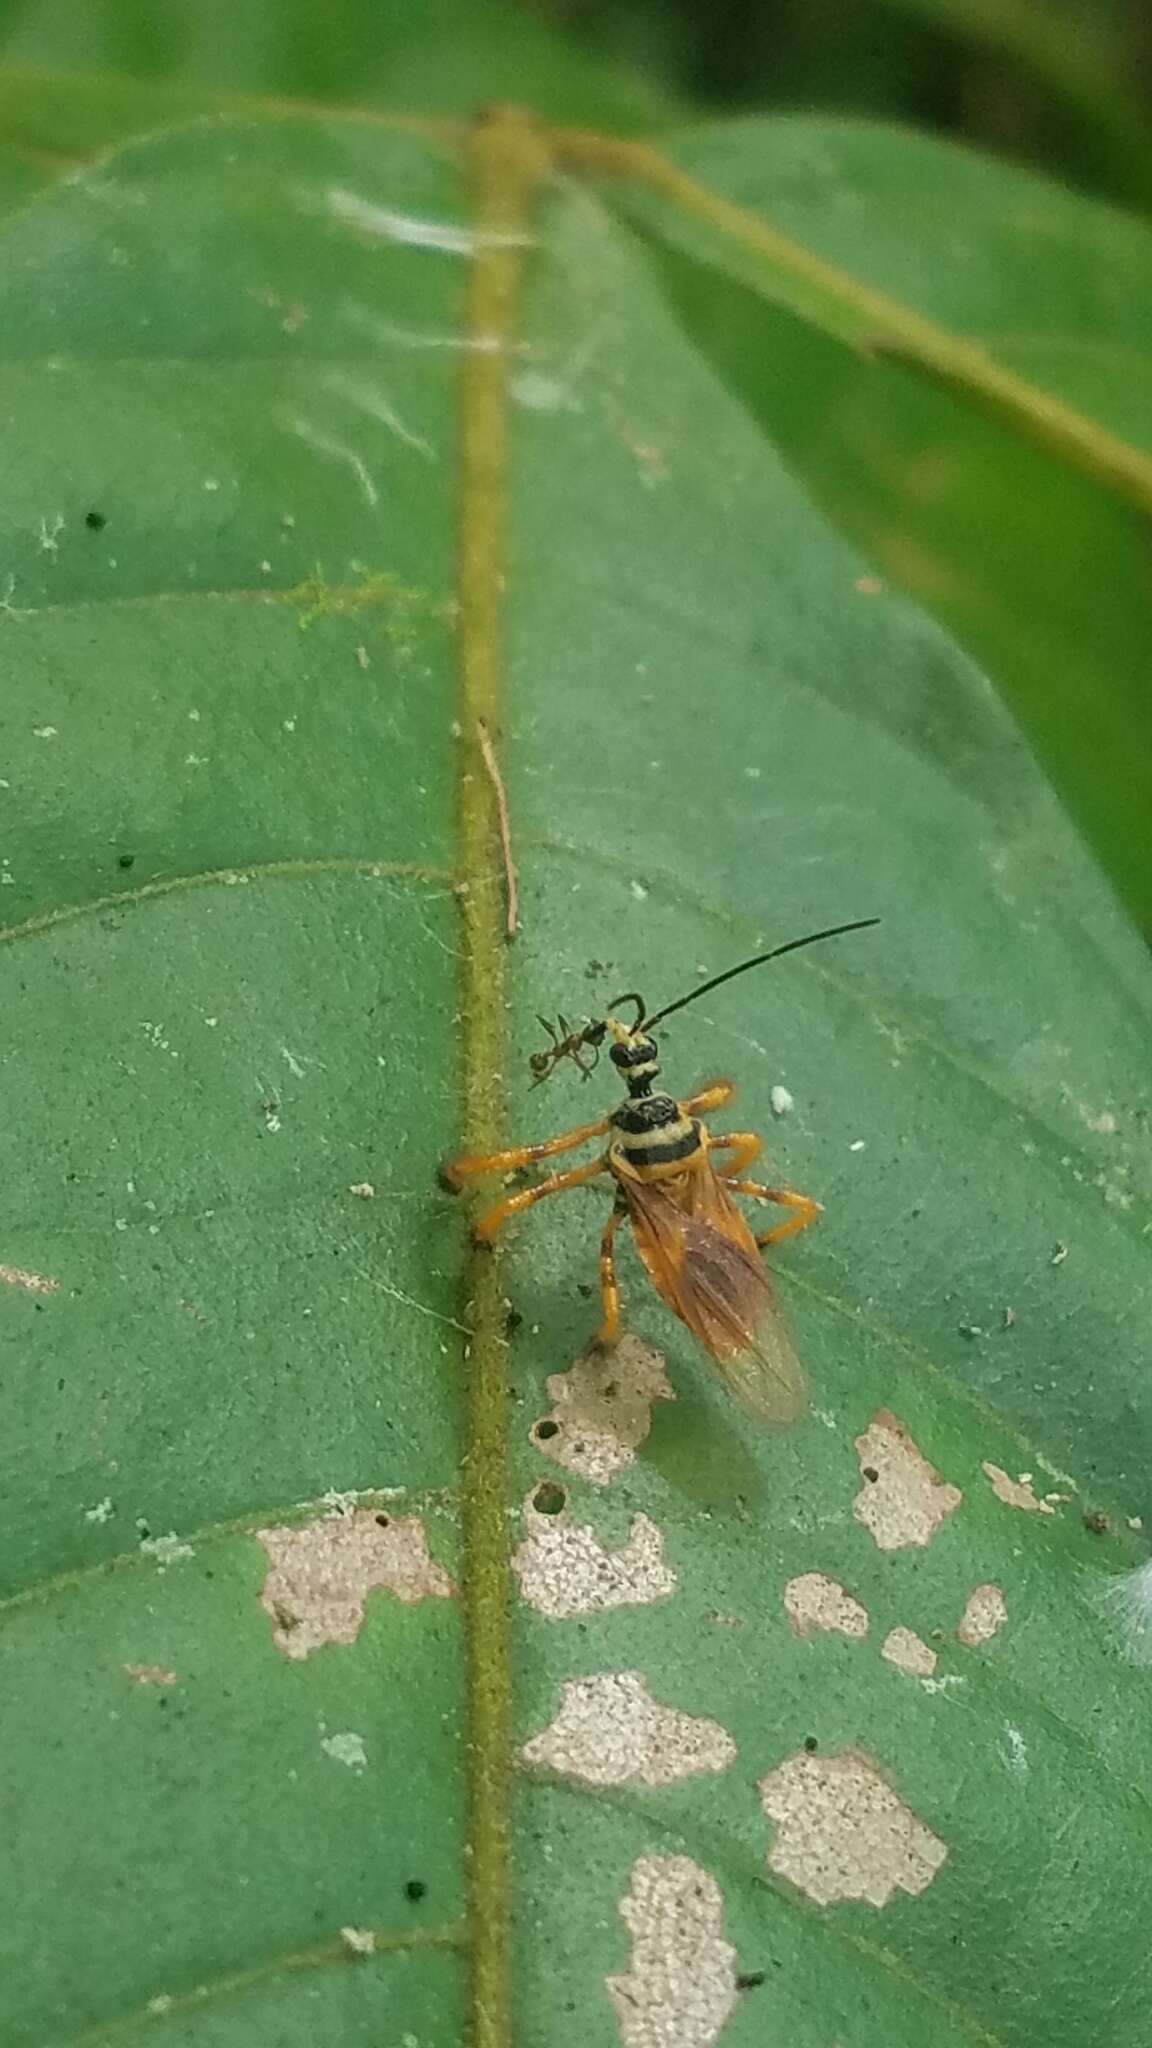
455	1171
714	1096
806	1209
485	1227
745	1146
609	1286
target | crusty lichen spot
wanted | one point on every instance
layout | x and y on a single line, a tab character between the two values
320	1575
602	1409
565	1570
903	1499
33	1283
680	1986
610	1731
1015	1493
813	1601
985	1613
908	1652
843	1833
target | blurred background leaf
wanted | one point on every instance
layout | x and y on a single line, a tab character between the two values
1064	83
430	57
1037	564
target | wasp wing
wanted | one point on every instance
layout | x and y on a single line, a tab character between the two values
703	1261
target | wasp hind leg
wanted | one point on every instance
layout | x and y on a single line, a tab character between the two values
609	1329
485	1227
787	1198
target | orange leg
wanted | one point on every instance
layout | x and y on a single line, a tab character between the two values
455	1171
745	1146
714	1096
609	1288
485	1227
806	1209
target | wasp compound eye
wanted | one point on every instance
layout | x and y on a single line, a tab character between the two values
636	1052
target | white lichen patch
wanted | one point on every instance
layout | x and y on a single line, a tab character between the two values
984	1615
346	1748
610	1731
602	1409
1015	1493
564	1569
319	1576
843	1833
903	1499
813	1601
680	1986
949	1683
908	1652
359	1941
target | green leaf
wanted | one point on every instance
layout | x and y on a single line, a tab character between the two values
256	379
987	482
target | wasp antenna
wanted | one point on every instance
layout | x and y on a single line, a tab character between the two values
834	931
631	997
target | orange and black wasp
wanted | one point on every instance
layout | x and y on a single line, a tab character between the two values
697	1247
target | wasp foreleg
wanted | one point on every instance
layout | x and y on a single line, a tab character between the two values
714	1096
455	1171
485	1227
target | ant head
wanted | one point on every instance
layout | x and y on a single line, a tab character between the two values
567	1045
